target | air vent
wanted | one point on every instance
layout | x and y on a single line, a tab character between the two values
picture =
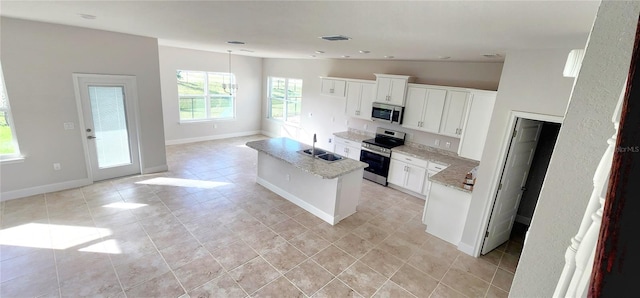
335	37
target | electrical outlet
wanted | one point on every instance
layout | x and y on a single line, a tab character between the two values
310	115
56	166
346	122
330	140
287	177
333	119
437	143
447	145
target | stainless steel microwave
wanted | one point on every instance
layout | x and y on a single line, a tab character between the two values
387	113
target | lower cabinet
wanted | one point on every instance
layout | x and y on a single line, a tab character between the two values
349	149
446	212
407	172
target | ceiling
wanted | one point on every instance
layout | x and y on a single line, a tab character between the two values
406	30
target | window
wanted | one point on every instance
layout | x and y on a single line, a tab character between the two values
285	99
8	142
206	95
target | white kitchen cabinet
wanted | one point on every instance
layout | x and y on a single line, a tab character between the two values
423	109
432	169
407	172
453	115
391	89
359	99
347	148
333	87
476	127
446	212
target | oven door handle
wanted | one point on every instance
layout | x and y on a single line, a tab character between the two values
375	152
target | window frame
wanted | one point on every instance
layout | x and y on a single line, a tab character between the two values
286	101
207	96
16	155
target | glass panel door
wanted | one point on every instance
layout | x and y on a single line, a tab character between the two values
110	126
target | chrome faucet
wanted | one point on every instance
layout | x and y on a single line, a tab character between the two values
313	150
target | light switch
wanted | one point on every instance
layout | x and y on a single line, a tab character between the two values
69	126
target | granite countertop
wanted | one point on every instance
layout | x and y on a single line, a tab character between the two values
287	150
352	135
453	175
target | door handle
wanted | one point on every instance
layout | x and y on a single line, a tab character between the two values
90	137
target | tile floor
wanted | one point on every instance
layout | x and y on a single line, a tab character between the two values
206	229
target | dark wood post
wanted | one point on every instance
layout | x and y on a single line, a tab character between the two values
616	268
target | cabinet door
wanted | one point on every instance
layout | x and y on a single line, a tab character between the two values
433	110
413	111
474	133
353	153
397	172
333	87
454	112
415	178
397	91
366	99
382	91
353	99
340	149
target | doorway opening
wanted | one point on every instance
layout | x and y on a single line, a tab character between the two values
527	159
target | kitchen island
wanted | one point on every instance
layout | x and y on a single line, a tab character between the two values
328	190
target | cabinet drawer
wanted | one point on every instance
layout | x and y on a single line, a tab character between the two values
410	159
347	142
436	167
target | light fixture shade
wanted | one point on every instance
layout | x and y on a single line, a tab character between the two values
574	61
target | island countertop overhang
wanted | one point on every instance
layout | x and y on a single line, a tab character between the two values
287	150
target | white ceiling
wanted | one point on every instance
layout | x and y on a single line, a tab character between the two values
407	30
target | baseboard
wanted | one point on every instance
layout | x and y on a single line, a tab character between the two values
466	248
211	138
26	192
403	190
269	134
156	169
300	203
523	220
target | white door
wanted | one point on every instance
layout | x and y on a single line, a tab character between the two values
514	177
108	119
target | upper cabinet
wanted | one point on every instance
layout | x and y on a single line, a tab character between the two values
454	113
423	109
333	87
391	89
474	132
359	99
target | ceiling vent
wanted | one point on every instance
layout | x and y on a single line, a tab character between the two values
335	37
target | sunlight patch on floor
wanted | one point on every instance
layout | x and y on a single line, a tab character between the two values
183	182
40	235
108	247
123	205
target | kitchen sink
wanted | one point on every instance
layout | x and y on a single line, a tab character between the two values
324	155
330	157
316	152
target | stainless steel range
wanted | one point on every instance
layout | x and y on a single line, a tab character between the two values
377	153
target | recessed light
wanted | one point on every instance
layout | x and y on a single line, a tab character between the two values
319	52
235	42
444	57
335	37
87	16
389	57
364	52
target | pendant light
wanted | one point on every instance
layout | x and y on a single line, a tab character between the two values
231	87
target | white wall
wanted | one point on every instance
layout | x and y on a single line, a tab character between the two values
581	143
248	72
531	82
38	60
328	113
